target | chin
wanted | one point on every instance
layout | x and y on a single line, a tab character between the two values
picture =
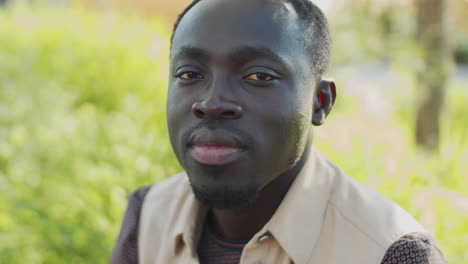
226	196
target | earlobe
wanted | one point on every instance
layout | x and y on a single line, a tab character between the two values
324	99
318	117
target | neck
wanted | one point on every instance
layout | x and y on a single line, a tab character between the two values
243	223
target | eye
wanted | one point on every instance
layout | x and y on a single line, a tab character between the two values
190	75
259	76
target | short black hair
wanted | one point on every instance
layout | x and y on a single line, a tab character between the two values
317	39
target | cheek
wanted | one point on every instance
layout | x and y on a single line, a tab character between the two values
300	122
286	128
178	111
296	130
291	115
178	107
171	113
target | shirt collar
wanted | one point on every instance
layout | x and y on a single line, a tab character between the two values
189	224
297	222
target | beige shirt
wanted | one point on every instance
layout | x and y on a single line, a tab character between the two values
326	217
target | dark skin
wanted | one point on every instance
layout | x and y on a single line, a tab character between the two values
242	101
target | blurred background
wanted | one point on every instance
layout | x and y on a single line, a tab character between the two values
82	116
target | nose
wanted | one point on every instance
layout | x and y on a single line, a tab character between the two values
216	109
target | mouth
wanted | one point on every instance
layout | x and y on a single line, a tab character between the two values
215	147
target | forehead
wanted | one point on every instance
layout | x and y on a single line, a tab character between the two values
219	26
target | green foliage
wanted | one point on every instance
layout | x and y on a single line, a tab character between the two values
82	124
461	52
370	30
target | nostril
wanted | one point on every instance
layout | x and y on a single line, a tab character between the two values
199	112
216	110
229	113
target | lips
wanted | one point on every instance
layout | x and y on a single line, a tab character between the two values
215	147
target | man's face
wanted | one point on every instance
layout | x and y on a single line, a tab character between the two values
240	98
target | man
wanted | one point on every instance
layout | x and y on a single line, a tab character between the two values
247	85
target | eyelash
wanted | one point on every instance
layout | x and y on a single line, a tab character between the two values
267	76
189	72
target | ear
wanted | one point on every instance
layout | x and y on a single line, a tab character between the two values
324	99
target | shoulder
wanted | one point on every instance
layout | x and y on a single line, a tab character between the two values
167	190
414	248
166	187
368	212
166	201
137	197
125	251
160	195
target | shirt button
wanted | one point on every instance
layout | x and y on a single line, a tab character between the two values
262	238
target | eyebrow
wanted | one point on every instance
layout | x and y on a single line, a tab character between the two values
246	53
190	52
238	55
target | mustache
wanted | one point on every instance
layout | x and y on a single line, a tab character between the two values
244	137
